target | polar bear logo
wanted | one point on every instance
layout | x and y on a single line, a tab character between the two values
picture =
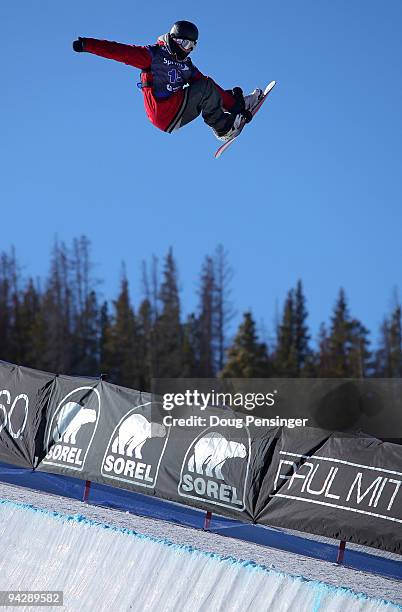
70	420
65	416
211	452
133	433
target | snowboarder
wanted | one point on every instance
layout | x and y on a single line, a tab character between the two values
175	91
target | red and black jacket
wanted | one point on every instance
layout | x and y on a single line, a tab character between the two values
161	111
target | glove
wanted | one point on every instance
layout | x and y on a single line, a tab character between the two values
238	93
238	107
78	45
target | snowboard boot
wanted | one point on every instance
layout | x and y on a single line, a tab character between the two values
237	126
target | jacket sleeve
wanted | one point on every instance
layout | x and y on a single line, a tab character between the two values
228	100
132	55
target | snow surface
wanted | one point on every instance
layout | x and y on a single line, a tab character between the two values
110	560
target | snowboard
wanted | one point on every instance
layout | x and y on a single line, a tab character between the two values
228	143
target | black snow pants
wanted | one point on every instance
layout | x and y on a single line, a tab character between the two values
203	98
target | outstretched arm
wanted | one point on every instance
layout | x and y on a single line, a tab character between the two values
132	55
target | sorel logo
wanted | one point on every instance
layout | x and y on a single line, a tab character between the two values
215	469
135	449
72	428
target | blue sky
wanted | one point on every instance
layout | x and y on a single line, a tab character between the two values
312	189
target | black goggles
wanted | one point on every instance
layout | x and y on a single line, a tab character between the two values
186	45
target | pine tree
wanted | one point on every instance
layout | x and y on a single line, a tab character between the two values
168	327
339	338
247	357
146	349
223	308
85	310
395	342
304	357
383	351
63	329
57	313
191	348
286	363
16	340
322	358
206	320
32	326
388	361
86	357
10	328
5	311
121	341
359	356
104	335
348	342
148	316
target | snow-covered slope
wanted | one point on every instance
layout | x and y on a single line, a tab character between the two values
102	566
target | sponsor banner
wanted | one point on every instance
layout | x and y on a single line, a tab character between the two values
212	461
73	417
24	395
216	467
347	488
104	433
135	448
341	486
